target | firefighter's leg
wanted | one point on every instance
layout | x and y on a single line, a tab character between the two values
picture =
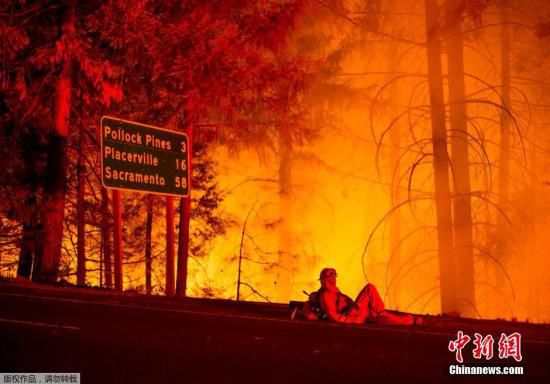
369	303
386	317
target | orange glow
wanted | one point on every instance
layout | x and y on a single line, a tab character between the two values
361	197
340	198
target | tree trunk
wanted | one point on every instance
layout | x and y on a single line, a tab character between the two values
31	148
55	186
106	237
502	231
285	258
80	213
504	156
185	218
396	194
460	165
27	246
47	266
395	246
440	161
148	257
183	245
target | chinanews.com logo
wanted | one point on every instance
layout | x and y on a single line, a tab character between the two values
509	347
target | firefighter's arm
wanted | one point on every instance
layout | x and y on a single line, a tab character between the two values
328	305
308	313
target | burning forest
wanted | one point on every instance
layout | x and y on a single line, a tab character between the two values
404	143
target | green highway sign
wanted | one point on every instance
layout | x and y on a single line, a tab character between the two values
139	157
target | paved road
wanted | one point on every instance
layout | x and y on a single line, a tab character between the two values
134	339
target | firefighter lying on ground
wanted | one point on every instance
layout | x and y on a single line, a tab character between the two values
329	303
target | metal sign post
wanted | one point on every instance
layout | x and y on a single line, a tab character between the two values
170	285
117	239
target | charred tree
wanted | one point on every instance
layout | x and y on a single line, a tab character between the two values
26	253
504	156
80	212
183	245
396	194
502	234
29	221
504	151
460	165
47	264
440	161
285	258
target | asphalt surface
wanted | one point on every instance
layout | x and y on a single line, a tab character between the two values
128	338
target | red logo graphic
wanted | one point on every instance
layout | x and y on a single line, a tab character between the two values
484	346
510	346
458	344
